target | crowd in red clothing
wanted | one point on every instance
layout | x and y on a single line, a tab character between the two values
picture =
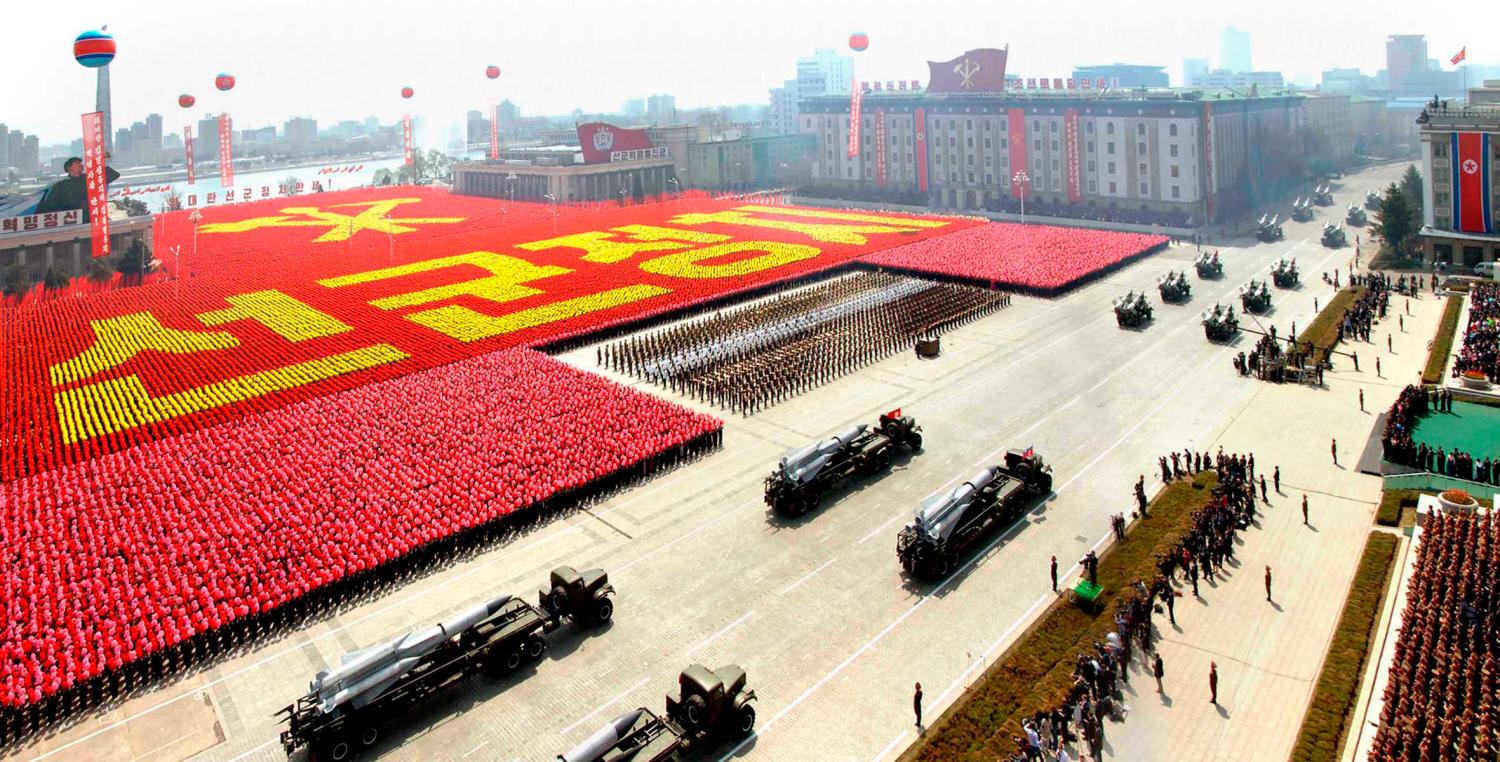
1442	700
1481	342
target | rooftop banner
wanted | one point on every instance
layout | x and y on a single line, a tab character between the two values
981	70
600	139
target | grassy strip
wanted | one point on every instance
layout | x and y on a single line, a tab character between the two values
1323	333
1037	671
1391	503
1326	725
1442	344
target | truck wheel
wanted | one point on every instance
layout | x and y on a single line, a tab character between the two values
557	600
511	660
368	735
744	720
535	646
695	712
869	465
914	441
603	610
339	750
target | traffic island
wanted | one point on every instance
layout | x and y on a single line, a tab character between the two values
1323	333
1442	344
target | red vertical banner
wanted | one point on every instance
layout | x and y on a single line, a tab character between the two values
226	151
880	158
1471	173
1208	158
93	173
919	123
1070	135
854	100
406	136
1016	129
494	132
187	151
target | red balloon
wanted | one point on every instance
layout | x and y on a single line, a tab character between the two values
492	71
859	41
407	92
224	82
186	101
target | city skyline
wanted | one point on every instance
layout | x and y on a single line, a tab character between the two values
331	65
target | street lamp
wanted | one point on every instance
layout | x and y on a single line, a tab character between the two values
194	217
1022	179
553	199
739	179
510	181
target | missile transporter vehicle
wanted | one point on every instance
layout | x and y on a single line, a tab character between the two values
1323	195
346	707
1372	201
1219	323
1284	272
1356	216
1209	265
1269	228
1255	297
804	474
1174	287
1132	309
711	705
1302	210
1333	236
950	521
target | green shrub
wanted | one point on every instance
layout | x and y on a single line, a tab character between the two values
1323	332
1326	725
1391	503
1442	344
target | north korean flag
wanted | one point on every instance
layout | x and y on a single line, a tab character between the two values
1471	182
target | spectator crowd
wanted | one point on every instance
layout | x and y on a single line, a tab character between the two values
1481	341
1400	447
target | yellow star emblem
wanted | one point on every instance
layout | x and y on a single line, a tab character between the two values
341	227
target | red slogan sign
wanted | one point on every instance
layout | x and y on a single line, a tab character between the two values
93	173
880	148
187	152
226	151
1070	135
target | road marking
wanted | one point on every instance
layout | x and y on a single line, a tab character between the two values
807	576
878	529
481	745
248	753
718	634
888	747
604	706
148	754
694	533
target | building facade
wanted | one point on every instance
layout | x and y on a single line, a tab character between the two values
1127	75
1234	50
782	117
1192	68
1177	160
825	72
1239	80
1461	200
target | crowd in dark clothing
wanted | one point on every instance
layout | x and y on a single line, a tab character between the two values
1399	446
1359	318
1481	342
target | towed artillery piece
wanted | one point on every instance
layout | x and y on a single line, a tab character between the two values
345	707
1372	201
1323	195
950	521
1219	323
1255	297
1209	265
1174	287
1284	272
804	474
1333	236
1356	216
1268	228
1132	309
711	704
1302	210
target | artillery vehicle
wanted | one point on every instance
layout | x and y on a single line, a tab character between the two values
1219	323
1269	228
1302	210
1333	236
712	704
1323	195
1174	287
805	473
950	521
1372	201
345	707
1284	272
1209	265
1255	297
1132	309
1355	216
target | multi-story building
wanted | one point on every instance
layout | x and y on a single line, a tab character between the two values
1234	50
1192	68
1461	200
1125	75
661	109
1329	139
1185	159
1239	80
825	72
1405	56
1347	81
301	133
782	119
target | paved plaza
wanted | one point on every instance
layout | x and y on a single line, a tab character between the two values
817	611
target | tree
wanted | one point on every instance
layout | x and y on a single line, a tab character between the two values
290	183
133	207
433	166
15	280
136	260
1394	222
1411	187
53	280
99	270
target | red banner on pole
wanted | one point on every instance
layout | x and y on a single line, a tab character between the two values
1208	158
406	136
854	99
93	173
226	151
1070	134
494	132
187	149
920	123
1016	119
880	158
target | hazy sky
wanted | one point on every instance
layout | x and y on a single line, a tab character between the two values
337	59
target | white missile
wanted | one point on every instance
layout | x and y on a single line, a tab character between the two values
804	463
596	745
940	513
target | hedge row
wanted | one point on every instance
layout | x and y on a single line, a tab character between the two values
1326	725
1323	332
1036	673
1442	344
1391	503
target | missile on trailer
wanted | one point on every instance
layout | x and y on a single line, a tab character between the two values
804	463
604	739
940	513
